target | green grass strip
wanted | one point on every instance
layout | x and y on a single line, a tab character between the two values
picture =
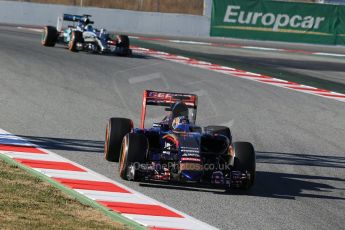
81	198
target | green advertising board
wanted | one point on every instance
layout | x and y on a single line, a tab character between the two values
278	21
340	30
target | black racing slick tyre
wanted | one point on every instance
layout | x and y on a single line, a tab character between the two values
122	41
49	36
122	46
217	129
133	152
116	129
76	37
245	160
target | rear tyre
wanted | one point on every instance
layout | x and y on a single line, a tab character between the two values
49	36
123	41
116	129
245	160
76	37
217	129
133	153
122	46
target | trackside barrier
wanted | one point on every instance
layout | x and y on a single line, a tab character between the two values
249	19
279	21
112	19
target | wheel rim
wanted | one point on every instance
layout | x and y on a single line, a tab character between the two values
71	42
44	36
106	142
124	149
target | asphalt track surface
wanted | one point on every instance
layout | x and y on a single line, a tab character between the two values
257	43
61	101
294	65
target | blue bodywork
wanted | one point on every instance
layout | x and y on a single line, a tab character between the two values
182	151
176	149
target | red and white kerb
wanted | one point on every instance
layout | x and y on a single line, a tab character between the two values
109	193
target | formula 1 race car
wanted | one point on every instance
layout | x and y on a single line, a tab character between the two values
84	37
176	149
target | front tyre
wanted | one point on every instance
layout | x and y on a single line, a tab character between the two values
49	36
116	129
76	37
245	160
133	153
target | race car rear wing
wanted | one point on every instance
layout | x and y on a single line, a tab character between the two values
75	18
71	18
168	99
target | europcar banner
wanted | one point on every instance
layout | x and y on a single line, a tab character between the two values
276	20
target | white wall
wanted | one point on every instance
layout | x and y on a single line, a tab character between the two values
208	8
111	19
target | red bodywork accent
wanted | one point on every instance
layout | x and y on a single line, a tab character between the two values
143	111
172	139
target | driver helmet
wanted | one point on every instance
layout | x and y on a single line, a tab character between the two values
181	124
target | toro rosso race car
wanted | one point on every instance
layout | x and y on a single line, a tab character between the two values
175	149
82	36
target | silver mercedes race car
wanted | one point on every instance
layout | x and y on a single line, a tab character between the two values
82	36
